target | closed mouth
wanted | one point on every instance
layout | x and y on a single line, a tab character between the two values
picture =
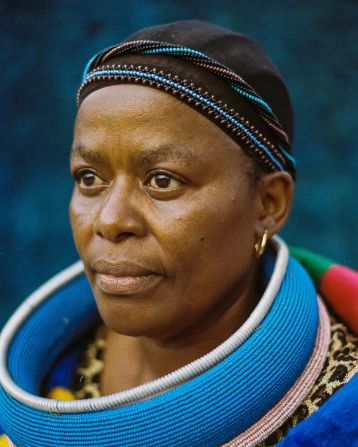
126	285
124	278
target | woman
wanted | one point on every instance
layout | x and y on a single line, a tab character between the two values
202	331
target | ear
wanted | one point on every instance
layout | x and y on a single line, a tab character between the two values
274	195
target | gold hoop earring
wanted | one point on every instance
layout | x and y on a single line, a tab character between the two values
261	244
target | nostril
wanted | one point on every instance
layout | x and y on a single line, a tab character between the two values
98	233
123	235
114	237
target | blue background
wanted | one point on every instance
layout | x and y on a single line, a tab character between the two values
44	46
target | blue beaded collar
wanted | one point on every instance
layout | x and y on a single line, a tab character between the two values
208	410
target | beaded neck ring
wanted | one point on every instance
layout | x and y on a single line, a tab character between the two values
272	157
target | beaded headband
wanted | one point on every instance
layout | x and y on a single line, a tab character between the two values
272	157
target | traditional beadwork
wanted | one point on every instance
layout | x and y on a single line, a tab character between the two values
271	157
200	59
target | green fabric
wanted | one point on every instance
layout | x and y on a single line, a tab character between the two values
315	264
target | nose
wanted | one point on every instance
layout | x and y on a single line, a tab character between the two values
119	214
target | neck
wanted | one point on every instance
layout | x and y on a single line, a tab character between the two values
132	361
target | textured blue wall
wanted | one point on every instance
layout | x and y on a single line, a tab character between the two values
44	45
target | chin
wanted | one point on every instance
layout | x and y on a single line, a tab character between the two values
132	320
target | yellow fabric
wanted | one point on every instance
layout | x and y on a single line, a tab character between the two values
90	367
3	441
60	393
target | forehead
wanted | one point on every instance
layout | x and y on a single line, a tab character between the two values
140	117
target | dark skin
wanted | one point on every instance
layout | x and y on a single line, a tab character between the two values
161	187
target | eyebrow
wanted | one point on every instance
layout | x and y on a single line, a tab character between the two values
148	156
89	155
167	152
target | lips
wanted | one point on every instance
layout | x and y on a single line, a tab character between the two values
124	278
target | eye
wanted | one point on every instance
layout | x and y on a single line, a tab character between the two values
163	181
88	179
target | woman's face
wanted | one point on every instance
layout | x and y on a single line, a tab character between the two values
162	212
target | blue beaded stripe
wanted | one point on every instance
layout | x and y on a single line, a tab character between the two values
189	52
87	67
178	50
94	59
253	98
288	156
181	87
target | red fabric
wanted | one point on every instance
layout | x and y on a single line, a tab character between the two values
339	285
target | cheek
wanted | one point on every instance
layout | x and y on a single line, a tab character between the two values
209	232
207	247
81	217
